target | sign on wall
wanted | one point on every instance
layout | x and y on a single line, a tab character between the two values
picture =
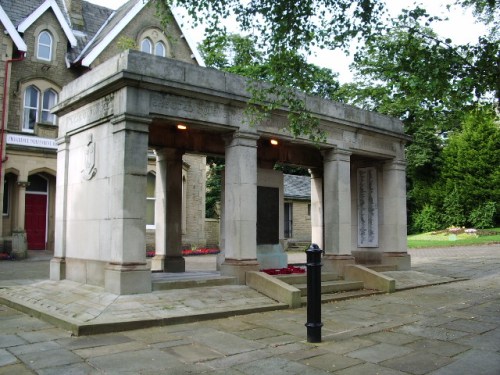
367	208
31	141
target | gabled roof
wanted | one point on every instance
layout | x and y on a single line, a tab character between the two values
11	29
59	15
116	22
297	187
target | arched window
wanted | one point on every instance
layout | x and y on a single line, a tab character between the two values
31	105
44	50
146	45
49	100
38	101
160	49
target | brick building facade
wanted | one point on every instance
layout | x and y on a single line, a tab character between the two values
45	44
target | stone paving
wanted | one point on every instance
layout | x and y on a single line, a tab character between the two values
445	329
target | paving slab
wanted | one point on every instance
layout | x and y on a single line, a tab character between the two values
84	309
418	363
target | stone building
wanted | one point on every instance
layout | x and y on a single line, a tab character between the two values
44	45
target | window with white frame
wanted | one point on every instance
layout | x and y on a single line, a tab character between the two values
146	45
160	49
37	106
154	41
31	103
48	101
44	50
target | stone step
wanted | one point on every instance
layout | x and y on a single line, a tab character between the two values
382	267
340	296
194	282
301	278
332	286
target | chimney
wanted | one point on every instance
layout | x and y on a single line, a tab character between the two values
75	11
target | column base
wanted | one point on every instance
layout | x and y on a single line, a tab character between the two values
19	245
127	278
57	269
165	263
336	263
400	259
238	268
158	263
221	257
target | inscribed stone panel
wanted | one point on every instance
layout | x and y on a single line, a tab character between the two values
367	207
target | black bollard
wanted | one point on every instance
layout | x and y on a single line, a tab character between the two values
314	293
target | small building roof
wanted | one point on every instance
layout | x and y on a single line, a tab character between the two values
297	187
11	29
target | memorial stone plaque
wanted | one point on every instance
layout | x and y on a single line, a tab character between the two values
267	215
367	208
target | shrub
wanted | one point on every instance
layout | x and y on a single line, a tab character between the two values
483	215
426	220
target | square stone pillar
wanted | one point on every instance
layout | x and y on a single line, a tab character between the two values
240	206
393	228
317	207
337	210
127	271
58	262
168	212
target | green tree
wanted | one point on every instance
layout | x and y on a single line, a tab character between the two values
471	161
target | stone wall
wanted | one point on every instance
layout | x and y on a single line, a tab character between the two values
301	222
212	231
194	231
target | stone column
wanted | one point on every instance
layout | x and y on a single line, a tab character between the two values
337	210
127	271
58	262
240	206
19	239
317	207
393	228
168	212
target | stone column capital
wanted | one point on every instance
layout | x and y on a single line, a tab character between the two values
336	154
168	154
240	138
23	184
395	164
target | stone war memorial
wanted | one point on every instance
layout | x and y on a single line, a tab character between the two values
134	102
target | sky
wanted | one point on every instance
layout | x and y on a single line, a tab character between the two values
461	28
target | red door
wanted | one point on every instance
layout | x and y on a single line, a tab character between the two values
36	220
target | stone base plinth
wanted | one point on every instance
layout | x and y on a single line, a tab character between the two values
57	269
336	263
174	264
271	256
127	278
401	259
238	268
221	257
19	245
165	263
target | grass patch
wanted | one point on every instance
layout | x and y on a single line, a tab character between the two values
446	238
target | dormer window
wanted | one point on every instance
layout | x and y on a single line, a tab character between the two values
146	45
160	49
155	42
44	50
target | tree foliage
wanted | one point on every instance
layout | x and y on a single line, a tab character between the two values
285	32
